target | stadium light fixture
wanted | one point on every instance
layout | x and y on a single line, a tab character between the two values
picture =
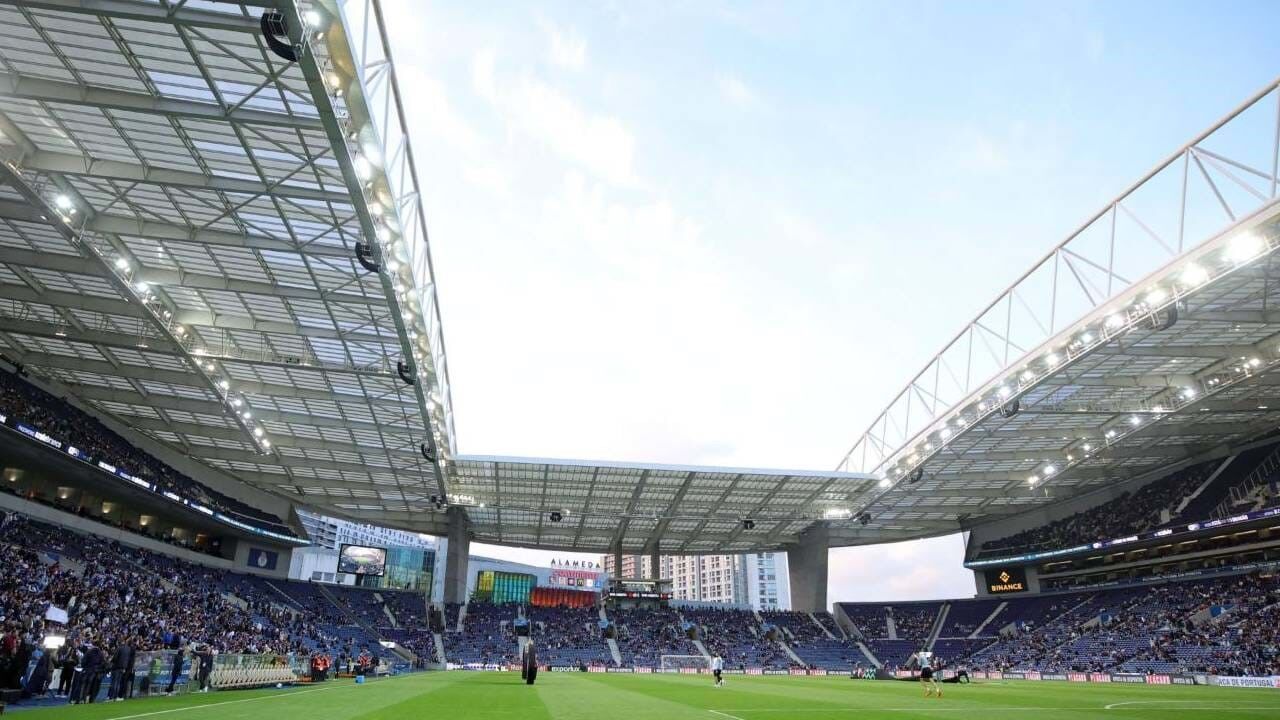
1005	391
122	265
1114	322
1111	434
257	432
266	443
885	482
837	514
364	170
1086	338
1087	447
1135	421
1049	470
1051	360
1244	247
1254	362
141	287
1156	296
237	403
1193	275
224	384
1188	393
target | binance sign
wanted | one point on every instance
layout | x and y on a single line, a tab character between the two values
1006	580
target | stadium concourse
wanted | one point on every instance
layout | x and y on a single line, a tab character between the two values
217	308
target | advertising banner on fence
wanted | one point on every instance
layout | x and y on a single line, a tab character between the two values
1250	682
1128	678
1099	677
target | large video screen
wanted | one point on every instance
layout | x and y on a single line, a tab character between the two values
361	560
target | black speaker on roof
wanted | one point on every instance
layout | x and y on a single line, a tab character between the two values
364	256
403	370
556	516
748	524
1010	409
864	518
1169	320
276	32
916	476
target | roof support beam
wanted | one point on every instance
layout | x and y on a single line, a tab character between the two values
70	93
230	433
181	404
66	164
127	10
78	265
176	232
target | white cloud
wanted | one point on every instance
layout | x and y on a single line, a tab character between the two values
914	570
567	49
733	89
598	142
482	74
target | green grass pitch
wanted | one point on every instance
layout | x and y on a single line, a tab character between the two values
598	696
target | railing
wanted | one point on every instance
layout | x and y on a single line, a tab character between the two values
1210	185
1261	475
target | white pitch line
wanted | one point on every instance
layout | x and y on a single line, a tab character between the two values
1180	705
225	702
725	714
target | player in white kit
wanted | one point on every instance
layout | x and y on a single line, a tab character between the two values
717	667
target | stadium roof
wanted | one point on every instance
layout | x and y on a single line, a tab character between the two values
181	214
1146	339
638	507
225	249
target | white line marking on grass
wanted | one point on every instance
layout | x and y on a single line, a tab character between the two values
225	702
1182	704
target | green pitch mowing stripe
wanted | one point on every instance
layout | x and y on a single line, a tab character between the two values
600	696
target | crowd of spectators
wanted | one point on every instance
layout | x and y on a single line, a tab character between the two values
123	599
1126	515
24	403
737	637
1223	625
568	636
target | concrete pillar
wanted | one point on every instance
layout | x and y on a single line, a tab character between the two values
807	569
459	550
655	564
617	563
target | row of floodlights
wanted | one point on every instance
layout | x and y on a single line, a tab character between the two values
1240	250
367	163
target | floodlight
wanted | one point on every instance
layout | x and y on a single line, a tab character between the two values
1193	275
1244	247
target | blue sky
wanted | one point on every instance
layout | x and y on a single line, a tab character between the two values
714	233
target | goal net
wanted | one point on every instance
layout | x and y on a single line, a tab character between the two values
681	662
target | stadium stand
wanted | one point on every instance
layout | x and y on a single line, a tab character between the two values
25	404
736	636
1177	498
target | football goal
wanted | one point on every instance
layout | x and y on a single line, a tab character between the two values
680	662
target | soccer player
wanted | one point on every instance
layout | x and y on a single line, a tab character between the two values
929	678
717	667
